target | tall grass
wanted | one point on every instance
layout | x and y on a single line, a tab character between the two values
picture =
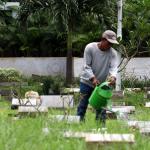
27	133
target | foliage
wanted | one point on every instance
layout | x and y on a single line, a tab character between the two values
9	75
44	133
135	82
53	85
136	25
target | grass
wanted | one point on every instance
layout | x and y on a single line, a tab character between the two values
27	133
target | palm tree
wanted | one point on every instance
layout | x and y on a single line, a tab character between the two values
67	14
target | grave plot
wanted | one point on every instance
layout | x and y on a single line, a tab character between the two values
120	112
92	138
66	118
71	90
139	124
117	98
30	110
24	102
147	95
145	131
110	138
147	104
57	101
131	90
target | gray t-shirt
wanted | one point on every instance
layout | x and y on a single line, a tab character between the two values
98	63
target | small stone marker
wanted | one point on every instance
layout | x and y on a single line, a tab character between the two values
70	134
101	138
118	94
31	109
147	104
148	94
133	89
57	101
110	138
139	124
124	109
24	102
120	109
68	119
72	90
145	131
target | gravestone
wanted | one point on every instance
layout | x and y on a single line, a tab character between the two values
117	98
147	104
148	94
139	124
145	131
57	101
101	138
110	138
32	110
66	118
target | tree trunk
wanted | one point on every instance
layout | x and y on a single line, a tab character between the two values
69	65
119	35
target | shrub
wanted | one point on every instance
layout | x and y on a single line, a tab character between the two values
9	75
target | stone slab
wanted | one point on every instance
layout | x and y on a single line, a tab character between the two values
139	124
24	102
123	109
57	101
145	131
110	138
133	90
98	137
68	119
118	94
129	109
147	104
31	109
71	90
147	95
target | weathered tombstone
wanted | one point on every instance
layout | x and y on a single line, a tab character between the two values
101	138
146	89
110	138
67	118
22	110
126	109
117	98
147	95
135	90
147	104
57	101
24	102
139	124
71	90
145	131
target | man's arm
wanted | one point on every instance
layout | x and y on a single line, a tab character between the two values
87	70
113	67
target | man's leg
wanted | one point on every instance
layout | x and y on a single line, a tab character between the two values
101	116
85	93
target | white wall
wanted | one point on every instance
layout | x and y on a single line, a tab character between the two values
36	65
57	65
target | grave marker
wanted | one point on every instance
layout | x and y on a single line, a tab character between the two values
67	118
57	101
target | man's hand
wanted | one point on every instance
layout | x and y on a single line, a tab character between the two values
95	81
112	80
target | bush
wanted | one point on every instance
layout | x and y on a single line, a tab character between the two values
134	82
53	85
9	75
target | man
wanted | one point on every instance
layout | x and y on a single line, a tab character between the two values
100	61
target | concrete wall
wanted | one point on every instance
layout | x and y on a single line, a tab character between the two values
36	65
57	65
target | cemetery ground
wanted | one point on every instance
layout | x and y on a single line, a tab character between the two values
40	132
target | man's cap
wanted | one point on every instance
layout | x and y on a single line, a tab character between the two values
110	36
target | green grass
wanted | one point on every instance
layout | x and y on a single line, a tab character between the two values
26	133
